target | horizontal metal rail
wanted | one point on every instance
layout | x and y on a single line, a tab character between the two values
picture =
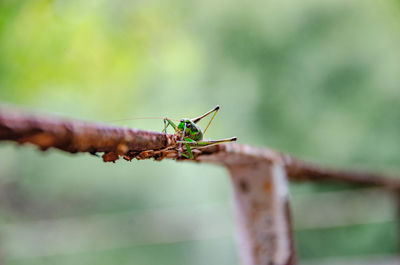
259	175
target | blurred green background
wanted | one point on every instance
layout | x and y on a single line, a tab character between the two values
317	79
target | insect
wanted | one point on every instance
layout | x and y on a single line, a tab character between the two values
191	136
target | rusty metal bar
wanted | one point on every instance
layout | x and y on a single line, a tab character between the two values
259	175
115	141
78	136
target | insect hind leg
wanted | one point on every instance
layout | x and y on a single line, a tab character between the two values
204	143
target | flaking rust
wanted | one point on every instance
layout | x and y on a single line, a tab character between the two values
75	136
259	175
261	198
78	136
171	152
110	157
157	155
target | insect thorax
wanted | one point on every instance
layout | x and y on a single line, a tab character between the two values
192	131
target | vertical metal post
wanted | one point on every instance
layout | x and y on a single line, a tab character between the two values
262	209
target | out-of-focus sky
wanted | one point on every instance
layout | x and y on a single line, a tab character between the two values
316	79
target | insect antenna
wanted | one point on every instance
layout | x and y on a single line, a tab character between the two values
141	118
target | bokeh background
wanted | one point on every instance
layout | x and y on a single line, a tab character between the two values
317	79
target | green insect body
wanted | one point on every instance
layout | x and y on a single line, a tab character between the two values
191	135
192	130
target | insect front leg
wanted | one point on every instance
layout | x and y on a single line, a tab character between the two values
190	156
165	126
187	142
189	151
168	122
181	141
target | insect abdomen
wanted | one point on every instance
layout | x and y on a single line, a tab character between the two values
195	133
198	136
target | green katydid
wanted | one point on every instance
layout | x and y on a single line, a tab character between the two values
190	134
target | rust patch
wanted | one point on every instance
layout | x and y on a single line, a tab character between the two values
122	148
158	156
267	186
145	154
110	157
254	215
256	207
256	250
244	186
43	140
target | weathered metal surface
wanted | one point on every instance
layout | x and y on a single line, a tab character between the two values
116	141
78	136
263	219
259	175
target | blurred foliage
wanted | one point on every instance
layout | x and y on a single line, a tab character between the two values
315	79
363	240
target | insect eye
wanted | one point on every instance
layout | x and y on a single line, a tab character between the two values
188	125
